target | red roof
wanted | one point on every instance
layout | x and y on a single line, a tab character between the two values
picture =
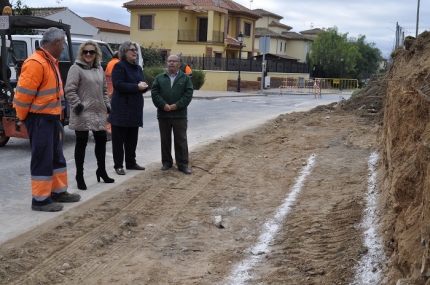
107	26
229	5
233	42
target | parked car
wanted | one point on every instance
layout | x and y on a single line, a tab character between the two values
25	45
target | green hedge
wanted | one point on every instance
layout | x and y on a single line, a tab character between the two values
150	73
198	79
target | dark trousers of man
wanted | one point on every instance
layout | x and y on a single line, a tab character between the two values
179	128
124	141
48	166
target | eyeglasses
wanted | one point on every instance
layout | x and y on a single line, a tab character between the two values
132	50
92	52
169	61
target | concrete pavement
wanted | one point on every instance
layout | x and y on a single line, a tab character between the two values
208	121
210	94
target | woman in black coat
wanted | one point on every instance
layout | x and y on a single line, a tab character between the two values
127	107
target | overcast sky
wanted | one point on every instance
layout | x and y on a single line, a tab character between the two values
376	19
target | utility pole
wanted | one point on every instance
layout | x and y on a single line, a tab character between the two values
418	19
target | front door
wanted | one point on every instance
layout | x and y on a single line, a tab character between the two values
203	29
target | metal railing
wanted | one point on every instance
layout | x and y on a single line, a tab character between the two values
193	36
246	65
317	85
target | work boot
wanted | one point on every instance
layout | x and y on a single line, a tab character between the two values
65	197
52	207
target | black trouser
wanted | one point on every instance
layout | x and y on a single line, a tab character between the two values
100	139
124	141
179	128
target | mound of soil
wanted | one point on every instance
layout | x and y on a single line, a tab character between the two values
406	157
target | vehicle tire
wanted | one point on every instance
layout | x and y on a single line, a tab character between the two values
3	140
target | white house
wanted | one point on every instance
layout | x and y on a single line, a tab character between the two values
283	42
79	27
109	32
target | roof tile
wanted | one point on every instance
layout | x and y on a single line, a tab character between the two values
230	5
263	12
45	12
103	25
280	25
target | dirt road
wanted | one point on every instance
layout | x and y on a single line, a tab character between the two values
170	228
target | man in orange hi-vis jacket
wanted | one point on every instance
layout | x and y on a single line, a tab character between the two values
184	67
37	103
108	74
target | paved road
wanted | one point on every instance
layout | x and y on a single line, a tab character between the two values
212	115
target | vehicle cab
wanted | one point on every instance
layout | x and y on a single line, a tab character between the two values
25	45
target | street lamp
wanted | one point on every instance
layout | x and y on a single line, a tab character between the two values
341	71
240	39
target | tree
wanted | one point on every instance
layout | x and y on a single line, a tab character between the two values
152	55
330	47
19	9
368	63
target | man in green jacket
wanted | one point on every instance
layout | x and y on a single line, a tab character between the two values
171	93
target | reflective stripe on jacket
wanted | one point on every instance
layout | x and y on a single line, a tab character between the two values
39	89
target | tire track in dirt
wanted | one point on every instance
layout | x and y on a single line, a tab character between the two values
321	234
174	202
241	272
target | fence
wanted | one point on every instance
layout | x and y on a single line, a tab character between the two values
317	85
246	65
193	36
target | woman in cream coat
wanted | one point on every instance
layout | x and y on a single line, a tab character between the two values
86	91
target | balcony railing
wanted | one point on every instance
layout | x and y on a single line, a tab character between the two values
232	64
194	36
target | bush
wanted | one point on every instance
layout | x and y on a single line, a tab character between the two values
151	72
152	56
198	79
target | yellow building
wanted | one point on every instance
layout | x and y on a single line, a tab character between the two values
283	42
193	27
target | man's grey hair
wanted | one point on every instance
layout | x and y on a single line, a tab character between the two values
52	34
124	48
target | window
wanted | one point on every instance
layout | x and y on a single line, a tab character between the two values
146	22
19	50
106	53
163	55
280	49
285	47
65	53
247	29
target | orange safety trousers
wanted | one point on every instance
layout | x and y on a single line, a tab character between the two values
48	166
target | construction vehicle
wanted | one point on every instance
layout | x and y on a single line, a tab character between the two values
10	126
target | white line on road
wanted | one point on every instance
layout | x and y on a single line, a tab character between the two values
241	273
369	269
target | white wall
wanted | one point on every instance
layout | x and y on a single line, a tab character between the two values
79	27
112	38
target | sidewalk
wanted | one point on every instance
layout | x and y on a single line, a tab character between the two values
206	94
